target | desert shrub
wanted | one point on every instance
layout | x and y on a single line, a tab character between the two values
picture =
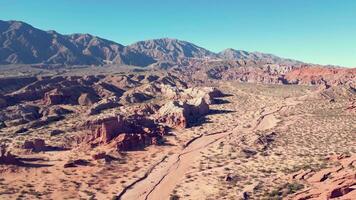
174	197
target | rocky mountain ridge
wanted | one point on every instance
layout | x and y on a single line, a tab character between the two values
21	43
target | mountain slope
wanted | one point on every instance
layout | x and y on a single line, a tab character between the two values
20	43
232	54
173	50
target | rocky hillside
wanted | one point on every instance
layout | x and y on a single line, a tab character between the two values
20	43
232	54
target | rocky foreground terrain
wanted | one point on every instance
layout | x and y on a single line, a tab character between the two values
170	134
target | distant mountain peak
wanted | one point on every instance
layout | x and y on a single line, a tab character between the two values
22	43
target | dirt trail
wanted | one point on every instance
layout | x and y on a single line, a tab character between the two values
159	182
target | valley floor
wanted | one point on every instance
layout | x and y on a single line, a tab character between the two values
249	147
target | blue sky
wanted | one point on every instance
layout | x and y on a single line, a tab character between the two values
317	31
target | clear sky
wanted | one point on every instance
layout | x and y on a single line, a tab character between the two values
317	31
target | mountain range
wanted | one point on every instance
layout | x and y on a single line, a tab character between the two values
21	43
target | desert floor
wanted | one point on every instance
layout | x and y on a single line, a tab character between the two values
248	147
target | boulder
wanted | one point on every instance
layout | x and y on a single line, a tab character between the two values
99	156
56	132
6	158
135	97
178	114
342	190
20	130
127	142
173	114
54	97
207	93
104	104
198	107
76	163
87	99
2	125
36	145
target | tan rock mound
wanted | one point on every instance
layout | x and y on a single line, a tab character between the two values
178	114
87	99
174	114
207	93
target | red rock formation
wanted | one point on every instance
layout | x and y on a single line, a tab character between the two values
127	133
103	129
322	76
331	183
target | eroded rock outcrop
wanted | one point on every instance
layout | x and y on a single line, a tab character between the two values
87	99
330	183
104	104
174	114
127	133
36	145
55	97
181	114
20	114
207	93
322	76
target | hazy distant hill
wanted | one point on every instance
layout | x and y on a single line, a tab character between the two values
20	43
232	54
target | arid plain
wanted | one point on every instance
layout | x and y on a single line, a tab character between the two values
243	141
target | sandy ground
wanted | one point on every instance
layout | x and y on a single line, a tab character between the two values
166	176
215	159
